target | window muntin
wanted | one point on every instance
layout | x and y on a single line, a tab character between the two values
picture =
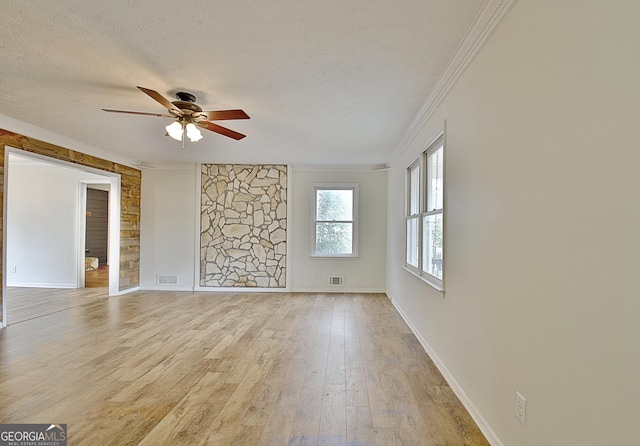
334	221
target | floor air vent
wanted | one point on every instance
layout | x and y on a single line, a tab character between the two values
166	280
336	280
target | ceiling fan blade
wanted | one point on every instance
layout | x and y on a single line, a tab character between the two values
136	113
225	114
222	130
161	99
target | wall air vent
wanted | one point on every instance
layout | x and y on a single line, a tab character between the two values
166	280
336	280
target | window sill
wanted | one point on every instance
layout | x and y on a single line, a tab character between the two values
435	286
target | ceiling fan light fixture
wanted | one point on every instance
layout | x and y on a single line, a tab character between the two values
193	132
175	130
189	116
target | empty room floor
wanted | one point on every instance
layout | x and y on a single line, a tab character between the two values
181	368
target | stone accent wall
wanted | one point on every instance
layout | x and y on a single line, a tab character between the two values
243	230
130	180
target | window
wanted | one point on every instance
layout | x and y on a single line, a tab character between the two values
425	214
335	212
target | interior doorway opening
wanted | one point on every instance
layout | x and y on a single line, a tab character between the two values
96	240
45	223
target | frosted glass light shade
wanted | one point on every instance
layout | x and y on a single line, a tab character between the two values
175	130
193	132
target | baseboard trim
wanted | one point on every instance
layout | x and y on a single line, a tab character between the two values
241	290
339	289
200	289
128	290
42	285
166	288
486	429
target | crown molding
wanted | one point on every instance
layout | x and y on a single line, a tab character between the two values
481	30
339	168
32	131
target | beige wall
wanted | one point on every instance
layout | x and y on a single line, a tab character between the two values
42	228
366	273
168	227
171	207
542	244
129	195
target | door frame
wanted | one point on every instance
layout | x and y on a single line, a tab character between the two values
82	229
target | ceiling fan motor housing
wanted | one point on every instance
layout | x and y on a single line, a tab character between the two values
186	103
187	106
186	97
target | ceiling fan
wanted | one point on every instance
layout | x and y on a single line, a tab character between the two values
189	116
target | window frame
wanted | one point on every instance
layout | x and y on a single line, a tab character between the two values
354	187
419	269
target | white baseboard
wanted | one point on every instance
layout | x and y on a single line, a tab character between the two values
239	289
334	289
338	289
128	290
42	285
486	429
166	288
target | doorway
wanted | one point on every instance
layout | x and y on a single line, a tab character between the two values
96	240
45	219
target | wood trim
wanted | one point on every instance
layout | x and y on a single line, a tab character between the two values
130	181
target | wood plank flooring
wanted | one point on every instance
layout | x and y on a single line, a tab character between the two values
25	303
98	278
165	368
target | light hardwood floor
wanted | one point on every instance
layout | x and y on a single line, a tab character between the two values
98	278
165	368
30	303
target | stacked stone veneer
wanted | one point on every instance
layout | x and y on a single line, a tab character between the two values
243	230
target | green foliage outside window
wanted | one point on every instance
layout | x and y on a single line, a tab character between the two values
334	221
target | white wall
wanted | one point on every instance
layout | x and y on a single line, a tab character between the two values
167	227
168	239
42	224
542	246
365	273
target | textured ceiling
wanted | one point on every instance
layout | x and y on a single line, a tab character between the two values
325	82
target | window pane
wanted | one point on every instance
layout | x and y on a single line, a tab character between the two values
334	205
414	190
412	241
435	183
432	245
334	238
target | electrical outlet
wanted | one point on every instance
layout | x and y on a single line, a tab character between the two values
14	269
521	407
